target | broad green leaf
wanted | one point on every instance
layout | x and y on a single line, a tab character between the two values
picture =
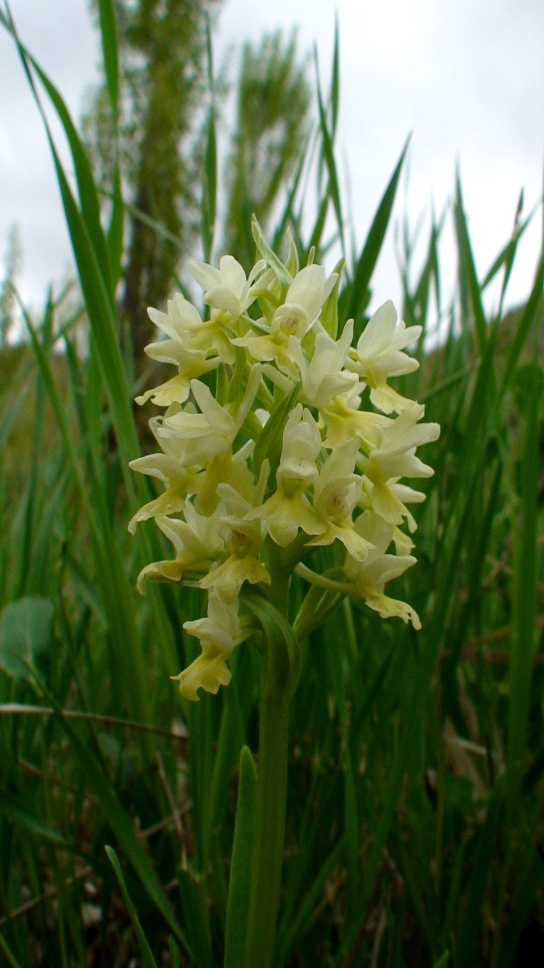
25	634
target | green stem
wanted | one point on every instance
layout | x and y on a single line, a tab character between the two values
271	799
269	830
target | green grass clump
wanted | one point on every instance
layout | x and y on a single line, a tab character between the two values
415	813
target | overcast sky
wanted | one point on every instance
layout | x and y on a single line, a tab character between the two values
465	77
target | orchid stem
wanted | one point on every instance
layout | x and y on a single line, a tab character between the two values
271	801
269	831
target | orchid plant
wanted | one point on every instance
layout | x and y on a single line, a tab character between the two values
302	444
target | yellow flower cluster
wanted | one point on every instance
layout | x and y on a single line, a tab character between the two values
281	455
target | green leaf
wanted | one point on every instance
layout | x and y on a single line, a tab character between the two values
147	955
115	815
270	442
209	188
330	162
240	870
25	633
192	889
87	192
485	854
174	953
533	305
524	592
209	181
108	33
283	647
317	605
11	959
468	268
329	313
266	252
17	814
374	241
311	902
351	829
116	229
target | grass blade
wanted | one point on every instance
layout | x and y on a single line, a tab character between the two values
242	857
373	245
147	955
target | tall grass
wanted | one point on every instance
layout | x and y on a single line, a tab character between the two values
415	809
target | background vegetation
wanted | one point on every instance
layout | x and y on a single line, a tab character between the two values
415	816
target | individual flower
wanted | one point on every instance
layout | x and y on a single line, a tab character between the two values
323	377
369	577
226	289
379	355
213	430
208	437
345	421
180	321
289	509
219	634
186	333
192	364
303	302
243	539
197	544
169	468
336	494
393	457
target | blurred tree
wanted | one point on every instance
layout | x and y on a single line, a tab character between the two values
163	68
8	302
162	48
273	101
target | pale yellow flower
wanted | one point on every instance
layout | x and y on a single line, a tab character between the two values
323	377
226	289
197	544
211	432
303	302
379	355
336	493
369	577
219	634
169	468
344	421
192	364
243	539
187	332
289	509
393	457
